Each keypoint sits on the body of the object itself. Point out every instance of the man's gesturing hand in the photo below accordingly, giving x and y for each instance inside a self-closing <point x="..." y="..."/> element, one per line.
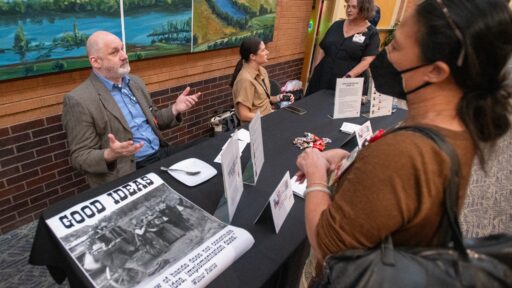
<point x="118" y="149"/>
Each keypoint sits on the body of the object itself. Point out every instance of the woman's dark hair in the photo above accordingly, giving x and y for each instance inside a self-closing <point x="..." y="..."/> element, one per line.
<point x="366" y="8"/>
<point x="486" y="28"/>
<point x="249" y="46"/>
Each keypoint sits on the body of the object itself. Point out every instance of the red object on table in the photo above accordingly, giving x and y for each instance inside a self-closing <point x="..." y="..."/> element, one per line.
<point x="376" y="136"/>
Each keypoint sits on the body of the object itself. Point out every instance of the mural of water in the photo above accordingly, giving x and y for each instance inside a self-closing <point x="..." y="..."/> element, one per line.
<point x="227" y="6"/>
<point x="43" y="31"/>
<point x="53" y="41"/>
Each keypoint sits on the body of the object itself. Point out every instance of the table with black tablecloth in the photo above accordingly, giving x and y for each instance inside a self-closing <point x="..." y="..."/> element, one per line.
<point x="274" y="259"/>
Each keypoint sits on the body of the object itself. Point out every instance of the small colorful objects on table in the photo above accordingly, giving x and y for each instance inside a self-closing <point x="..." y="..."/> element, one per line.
<point x="310" y="140"/>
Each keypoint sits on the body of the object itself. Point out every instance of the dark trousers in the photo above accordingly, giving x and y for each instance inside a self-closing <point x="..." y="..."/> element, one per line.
<point x="166" y="151"/>
<point x="162" y="153"/>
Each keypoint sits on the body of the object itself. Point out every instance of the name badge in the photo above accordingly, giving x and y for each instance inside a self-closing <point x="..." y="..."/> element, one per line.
<point x="358" y="37"/>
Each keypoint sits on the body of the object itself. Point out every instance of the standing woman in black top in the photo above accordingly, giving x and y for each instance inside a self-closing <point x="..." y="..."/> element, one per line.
<point x="348" y="47"/>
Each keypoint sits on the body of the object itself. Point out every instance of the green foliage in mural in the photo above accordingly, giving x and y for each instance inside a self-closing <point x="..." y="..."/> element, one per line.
<point x="20" y="44"/>
<point x="174" y="31"/>
<point x="71" y="40"/>
<point x="19" y="7"/>
<point x="226" y="26"/>
<point x="48" y="36"/>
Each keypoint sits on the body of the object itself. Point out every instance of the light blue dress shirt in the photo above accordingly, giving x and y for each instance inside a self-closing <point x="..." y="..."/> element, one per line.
<point x="141" y="130"/>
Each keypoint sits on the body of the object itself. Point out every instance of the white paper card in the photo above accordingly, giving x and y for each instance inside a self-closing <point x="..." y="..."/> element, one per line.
<point x="281" y="201"/>
<point x="380" y="104"/>
<point x="243" y="135"/>
<point x="349" y="127"/>
<point x="364" y="133"/>
<point x="257" y="154"/>
<point x="347" y="101"/>
<point x="298" y="188"/>
<point x="232" y="175"/>
<point x="241" y="147"/>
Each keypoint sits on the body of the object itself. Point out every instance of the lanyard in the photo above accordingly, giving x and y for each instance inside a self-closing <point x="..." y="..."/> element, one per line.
<point x="264" y="88"/>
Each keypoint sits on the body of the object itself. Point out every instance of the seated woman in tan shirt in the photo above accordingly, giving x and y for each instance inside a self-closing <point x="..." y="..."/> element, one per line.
<point x="395" y="185"/>
<point x="251" y="86"/>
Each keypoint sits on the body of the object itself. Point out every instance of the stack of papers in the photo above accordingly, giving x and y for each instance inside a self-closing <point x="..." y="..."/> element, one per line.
<point x="349" y="127"/>
<point x="298" y="188"/>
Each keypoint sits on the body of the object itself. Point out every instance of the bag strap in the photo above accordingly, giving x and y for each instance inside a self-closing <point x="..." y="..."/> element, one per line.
<point x="451" y="189"/>
<point x="264" y="86"/>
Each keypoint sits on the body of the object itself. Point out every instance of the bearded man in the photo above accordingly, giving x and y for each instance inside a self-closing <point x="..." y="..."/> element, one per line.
<point x="112" y="125"/>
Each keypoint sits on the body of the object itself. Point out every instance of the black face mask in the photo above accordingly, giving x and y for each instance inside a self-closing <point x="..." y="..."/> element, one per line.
<point x="388" y="80"/>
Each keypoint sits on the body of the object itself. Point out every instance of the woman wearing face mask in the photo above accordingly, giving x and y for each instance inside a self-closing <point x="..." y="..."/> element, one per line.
<point x="446" y="60"/>
<point x="250" y="82"/>
<point x="347" y="48"/>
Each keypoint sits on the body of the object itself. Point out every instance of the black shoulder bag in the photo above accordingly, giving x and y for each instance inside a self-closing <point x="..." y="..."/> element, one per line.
<point x="457" y="266"/>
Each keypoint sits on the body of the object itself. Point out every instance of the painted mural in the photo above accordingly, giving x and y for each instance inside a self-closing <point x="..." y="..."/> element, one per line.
<point x="47" y="36"/>
<point x="225" y="23"/>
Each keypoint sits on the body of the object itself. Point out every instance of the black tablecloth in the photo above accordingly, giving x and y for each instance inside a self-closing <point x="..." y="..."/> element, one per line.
<point x="270" y="250"/>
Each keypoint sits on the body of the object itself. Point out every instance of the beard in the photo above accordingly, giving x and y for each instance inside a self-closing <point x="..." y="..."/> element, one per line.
<point x="124" y="69"/>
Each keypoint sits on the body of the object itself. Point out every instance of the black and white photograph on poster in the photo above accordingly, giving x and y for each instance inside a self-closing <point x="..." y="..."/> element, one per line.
<point x="133" y="235"/>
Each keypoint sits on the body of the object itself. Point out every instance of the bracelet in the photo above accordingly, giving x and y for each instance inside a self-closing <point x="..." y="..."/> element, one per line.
<point x="318" y="183"/>
<point x="316" y="188"/>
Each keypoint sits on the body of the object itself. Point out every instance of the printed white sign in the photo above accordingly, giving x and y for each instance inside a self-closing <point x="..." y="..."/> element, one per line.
<point x="380" y="104"/>
<point x="281" y="201"/>
<point x="257" y="154"/>
<point x="243" y="139"/>
<point x="347" y="101"/>
<point x="364" y="133"/>
<point x="232" y="174"/>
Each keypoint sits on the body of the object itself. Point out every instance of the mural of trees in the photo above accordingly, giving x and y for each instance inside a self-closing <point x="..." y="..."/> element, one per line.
<point x="47" y="36"/>
<point x="225" y="23"/>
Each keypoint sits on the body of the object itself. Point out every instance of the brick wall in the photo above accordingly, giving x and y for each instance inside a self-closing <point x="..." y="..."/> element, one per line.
<point x="35" y="166"/>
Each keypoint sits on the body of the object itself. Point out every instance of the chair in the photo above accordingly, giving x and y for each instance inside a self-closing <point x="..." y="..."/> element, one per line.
<point x="275" y="88"/>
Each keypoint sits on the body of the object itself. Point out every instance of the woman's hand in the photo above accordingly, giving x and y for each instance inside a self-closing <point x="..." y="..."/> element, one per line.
<point x="287" y="97"/>
<point x="313" y="166"/>
<point x="333" y="157"/>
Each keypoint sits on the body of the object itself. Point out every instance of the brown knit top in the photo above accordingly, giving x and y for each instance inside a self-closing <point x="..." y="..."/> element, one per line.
<point x="395" y="187"/>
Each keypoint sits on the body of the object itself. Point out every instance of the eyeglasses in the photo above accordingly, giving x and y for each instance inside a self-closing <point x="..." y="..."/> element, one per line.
<point x="456" y="30"/>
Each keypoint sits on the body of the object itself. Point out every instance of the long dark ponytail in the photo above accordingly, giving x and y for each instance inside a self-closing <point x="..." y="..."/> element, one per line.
<point x="249" y="46"/>
<point x="486" y="27"/>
